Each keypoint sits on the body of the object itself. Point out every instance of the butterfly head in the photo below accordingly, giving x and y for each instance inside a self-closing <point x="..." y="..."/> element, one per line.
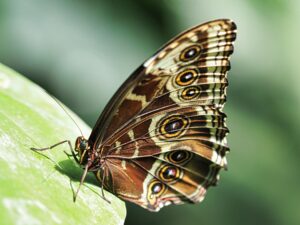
<point x="82" y="147"/>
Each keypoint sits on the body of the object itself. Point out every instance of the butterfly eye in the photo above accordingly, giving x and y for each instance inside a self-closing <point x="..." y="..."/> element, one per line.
<point x="82" y="145"/>
<point x="190" y="53"/>
<point x="190" y="93"/>
<point x="186" y="77"/>
<point x="173" y="126"/>
<point x="169" y="173"/>
<point x="179" y="156"/>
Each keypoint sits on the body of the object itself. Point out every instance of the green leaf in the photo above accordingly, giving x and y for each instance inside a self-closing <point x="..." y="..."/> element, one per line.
<point x="36" y="187"/>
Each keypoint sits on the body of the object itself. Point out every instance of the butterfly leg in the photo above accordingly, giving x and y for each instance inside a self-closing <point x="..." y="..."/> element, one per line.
<point x="81" y="182"/>
<point x="102" y="188"/>
<point x="57" y="144"/>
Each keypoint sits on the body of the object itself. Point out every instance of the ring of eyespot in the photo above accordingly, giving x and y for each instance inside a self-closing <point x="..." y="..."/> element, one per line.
<point x="178" y="156"/>
<point x="190" y="93"/>
<point x="155" y="188"/>
<point x="173" y="126"/>
<point x="186" y="77"/>
<point x="190" y="53"/>
<point x="169" y="173"/>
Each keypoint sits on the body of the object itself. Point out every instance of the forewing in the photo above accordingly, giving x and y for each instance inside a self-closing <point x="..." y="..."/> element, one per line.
<point x="166" y="76"/>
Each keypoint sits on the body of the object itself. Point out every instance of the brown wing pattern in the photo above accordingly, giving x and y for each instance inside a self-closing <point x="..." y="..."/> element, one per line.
<point x="141" y="89"/>
<point x="163" y="135"/>
<point x="171" y="178"/>
<point x="188" y="142"/>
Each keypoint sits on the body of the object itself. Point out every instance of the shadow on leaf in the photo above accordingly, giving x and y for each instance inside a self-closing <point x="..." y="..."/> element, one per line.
<point x="68" y="168"/>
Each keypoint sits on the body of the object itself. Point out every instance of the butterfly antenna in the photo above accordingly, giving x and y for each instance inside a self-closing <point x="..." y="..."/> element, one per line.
<point x="67" y="114"/>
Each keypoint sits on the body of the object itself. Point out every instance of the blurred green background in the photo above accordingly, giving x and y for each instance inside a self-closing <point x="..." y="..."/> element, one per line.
<point x="81" y="52"/>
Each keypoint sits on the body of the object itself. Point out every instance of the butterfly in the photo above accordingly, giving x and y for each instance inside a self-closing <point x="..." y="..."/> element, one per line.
<point x="161" y="139"/>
